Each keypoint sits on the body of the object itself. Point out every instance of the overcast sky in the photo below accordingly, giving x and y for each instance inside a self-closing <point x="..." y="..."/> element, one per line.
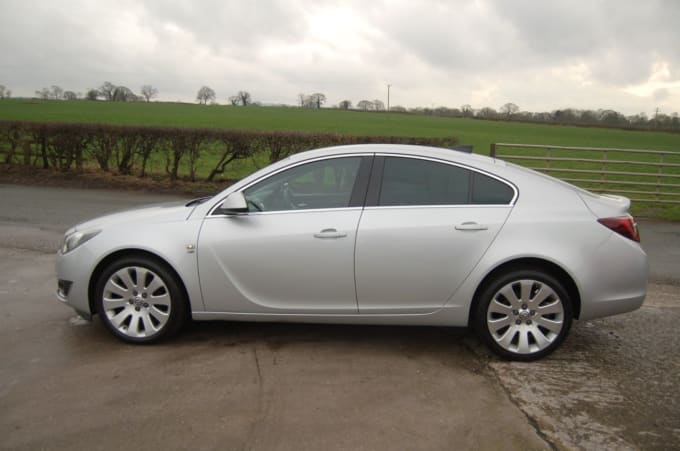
<point x="541" y="55"/>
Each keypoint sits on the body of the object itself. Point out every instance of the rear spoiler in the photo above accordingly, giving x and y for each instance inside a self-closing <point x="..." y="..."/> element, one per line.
<point x="606" y="205"/>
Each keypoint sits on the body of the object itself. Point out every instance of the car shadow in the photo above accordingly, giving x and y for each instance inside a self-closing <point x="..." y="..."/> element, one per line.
<point x="279" y="335"/>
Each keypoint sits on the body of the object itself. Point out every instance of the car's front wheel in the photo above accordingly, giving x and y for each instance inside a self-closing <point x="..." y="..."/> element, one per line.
<point x="523" y="314"/>
<point x="139" y="300"/>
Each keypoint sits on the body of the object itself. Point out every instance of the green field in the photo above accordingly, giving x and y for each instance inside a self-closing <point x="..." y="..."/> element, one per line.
<point x="479" y="133"/>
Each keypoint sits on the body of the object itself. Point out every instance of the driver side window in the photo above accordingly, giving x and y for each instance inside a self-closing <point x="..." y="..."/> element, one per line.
<point x="320" y="184"/>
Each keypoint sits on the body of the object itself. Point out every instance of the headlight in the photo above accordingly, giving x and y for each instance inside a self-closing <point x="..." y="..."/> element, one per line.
<point x="75" y="239"/>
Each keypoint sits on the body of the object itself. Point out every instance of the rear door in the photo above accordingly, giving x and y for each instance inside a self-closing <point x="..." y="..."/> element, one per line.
<point x="425" y="226"/>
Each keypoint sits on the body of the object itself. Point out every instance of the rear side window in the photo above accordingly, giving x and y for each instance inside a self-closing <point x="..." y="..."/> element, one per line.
<point x="408" y="181"/>
<point x="411" y="181"/>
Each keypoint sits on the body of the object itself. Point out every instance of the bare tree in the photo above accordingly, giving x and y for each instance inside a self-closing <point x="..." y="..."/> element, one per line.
<point x="365" y="105"/>
<point x="43" y="93"/>
<point x="234" y="100"/>
<point x="123" y="94"/>
<point x="345" y="105"/>
<point x="509" y="109"/>
<point x="92" y="94"/>
<point x="310" y="101"/>
<point x="467" y="110"/>
<point x="566" y="115"/>
<point x="57" y="93"/>
<point x="378" y="105"/>
<point x="205" y="95"/>
<point x="487" y="113"/>
<point x="149" y="92"/>
<point x="70" y="95"/>
<point x="612" y="117"/>
<point x="318" y="99"/>
<point x="4" y="92"/>
<point x="106" y="90"/>
<point x="675" y="120"/>
<point x="244" y="98"/>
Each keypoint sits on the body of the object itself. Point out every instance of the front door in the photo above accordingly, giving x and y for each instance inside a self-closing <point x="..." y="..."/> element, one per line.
<point x="294" y="251"/>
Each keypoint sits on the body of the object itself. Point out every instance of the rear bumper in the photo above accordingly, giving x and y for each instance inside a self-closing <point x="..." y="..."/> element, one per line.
<point x="611" y="307"/>
<point x="616" y="281"/>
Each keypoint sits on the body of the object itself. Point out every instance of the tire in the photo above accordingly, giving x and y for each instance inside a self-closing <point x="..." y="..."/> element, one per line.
<point x="140" y="301"/>
<point x="523" y="315"/>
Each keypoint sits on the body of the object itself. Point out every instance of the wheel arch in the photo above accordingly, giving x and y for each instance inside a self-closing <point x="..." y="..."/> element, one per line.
<point x="530" y="263"/>
<point x="131" y="252"/>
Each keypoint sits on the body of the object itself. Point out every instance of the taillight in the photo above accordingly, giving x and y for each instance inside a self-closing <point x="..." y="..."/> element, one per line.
<point x="624" y="226"/>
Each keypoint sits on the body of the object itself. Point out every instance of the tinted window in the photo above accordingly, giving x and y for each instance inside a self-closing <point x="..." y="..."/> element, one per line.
<point x="487" y="190"/>
<point x="321" y="184"/>
<point x="409" y="181"/>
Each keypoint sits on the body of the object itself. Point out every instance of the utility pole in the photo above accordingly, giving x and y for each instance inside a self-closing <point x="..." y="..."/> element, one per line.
<point x="656" y="117"/>
<point x="388" y="97"/>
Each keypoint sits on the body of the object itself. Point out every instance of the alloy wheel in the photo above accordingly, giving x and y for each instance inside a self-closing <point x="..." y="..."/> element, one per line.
<point x="525" y="316"/>
<point x="136" y="302"/>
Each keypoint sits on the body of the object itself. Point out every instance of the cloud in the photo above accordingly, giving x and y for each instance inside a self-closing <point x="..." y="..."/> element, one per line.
<point x="232" y="28"/>
<point x="661" y="94"/>
<point x="539" y="55"/>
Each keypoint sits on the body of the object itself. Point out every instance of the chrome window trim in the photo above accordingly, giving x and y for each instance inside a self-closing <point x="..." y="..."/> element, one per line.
<point x="452" y="163"/>
<point x="399" y="207"/>
<point x="512" y="202"/>
<point x="302" y="210"/>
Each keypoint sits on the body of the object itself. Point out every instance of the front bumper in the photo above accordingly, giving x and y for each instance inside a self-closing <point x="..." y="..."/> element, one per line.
<point x="73" y="271"/>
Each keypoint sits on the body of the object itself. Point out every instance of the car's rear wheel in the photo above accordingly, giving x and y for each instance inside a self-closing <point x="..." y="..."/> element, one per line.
<point x="139" y="300"/>
<point x="523" y="314"/>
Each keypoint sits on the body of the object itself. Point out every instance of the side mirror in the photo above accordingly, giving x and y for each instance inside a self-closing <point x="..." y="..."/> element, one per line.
<point x="234" y="204"/>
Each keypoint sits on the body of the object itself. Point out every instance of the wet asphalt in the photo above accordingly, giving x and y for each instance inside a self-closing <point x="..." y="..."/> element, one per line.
<point x="66" y="384"/>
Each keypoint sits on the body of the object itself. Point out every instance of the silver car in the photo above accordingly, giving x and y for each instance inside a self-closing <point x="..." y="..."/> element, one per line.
<point x="366" y="234"/>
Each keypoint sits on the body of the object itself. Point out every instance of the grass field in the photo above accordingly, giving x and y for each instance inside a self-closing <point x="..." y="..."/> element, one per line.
<point x="478" y="133"/>
<point x="470" y="131"/>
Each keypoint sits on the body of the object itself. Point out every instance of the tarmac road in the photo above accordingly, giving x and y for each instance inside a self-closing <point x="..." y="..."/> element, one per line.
<point x="66" y="384"/>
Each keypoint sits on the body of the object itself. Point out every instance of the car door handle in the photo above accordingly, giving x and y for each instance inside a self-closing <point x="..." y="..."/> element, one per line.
<point x="471" y="226"/>
<point x="330" y="233"/>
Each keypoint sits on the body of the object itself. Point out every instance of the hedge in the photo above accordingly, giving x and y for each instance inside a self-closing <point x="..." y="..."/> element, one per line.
<point x="128" y="149"/>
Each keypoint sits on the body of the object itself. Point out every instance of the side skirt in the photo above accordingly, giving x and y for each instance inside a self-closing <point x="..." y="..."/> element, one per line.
<point x="449" y="316"/>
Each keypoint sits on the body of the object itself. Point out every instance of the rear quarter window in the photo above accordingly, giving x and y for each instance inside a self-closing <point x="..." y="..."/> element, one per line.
<point x="489" y="191"/>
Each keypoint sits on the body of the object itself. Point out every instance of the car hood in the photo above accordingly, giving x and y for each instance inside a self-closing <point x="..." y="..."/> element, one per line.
<point x="147" y="214"/>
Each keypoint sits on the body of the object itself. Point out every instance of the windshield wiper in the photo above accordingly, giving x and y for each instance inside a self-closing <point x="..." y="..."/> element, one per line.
<point x="198" y="201"/>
